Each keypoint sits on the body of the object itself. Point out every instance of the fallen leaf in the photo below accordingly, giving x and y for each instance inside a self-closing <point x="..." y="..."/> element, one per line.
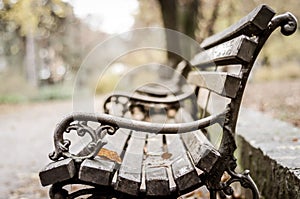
<point x="112" y="155"/>
<point x="166" y="155"/>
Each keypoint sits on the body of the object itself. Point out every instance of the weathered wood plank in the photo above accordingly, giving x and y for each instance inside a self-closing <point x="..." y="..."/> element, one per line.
<point x="57" y="172"/>
<point x="236" y="51"/>
<point x="252" y="24"/>
<point x="184" y="173"/>
<point x="221" y="83"/>
<point x="101" y="170"/>
<point x="203" y="153"/>
<point x="157" y="182"/>
<point x="160" y="89"/>
<point x="130" y="172"/>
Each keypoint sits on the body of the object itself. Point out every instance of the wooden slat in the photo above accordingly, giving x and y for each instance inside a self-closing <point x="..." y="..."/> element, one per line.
<point x="57" y="171"/>
<point x="252" y="24"/>
<point x="219" y="82"/>
<point x="201" y="150"/>
<point x="160" y="89"/>
<point x="130" y="173"/>
<point x="101" y="170"/>
<point x="184" y="173"/>
<point x="157" y="182"/>
<point x="236" y="51"/>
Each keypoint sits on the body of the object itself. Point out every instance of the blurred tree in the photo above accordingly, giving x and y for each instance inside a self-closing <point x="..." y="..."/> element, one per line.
<point x="186" y="16"/>
<point x="29" y="20"/>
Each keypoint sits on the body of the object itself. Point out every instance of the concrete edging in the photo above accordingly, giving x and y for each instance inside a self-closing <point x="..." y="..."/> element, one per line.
<point x="271" y="150"/>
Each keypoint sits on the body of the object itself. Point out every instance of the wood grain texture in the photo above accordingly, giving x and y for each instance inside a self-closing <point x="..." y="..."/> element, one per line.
<point x="100" y="170"/>
<point x="238" y="50"/>
<point x="130" y="173"/>
<point x="203" y="153"/>
<point x="57" y="171"/>
<point x="252" y="24"/>
<point x="221" y="83"/>
<point x="184" y="173"/>
<point x="157" y="181"/>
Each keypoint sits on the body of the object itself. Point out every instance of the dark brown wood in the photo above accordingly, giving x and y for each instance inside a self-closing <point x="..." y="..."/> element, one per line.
<point x="57" y="172"/>
<point x="101" y="170"/>
<point x="157" y="181"/>
<point x="235" y="51"/>
<point x="184" y="173"/>
<point x="203" y="153"/>
<point x="159" y="89"/>
<point x="218" y="82"/>
<point x="252" y="24"/>
<point x="130" y="173"/>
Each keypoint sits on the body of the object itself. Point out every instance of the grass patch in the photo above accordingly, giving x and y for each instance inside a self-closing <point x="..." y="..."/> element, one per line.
<point x="107" y="83"/>
<point x="13" y="99"/>
<point x="52" y="92"/>
<point x="45" y="93"/>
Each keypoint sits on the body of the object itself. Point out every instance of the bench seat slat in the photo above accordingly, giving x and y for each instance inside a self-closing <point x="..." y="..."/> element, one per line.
<point x="236" y="51"/>
<point x="130" y="173"/>
<point x="100" y="170"/>
<point x="157" y="182"/>
<point x="160" y="89"/>
<point x="252" y="24"/>
<point x="201" y="150"/>
<point x="184" y="172"/>
<point x="221" y="83"/>
<point x="57" y="171"/>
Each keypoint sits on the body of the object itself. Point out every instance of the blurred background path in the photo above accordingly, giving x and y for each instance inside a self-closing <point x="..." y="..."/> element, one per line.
<point x="25" y="140"/>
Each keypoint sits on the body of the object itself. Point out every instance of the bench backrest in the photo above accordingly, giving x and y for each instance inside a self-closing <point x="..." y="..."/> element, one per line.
<point x="237" y="47"/>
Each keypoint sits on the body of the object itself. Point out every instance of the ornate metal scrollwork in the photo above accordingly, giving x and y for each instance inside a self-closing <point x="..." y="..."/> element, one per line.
<point x="286" y="21"/>
<point x="82" y="128"/>
<point x="244" y="179"/>
<point x="116" y="100"/>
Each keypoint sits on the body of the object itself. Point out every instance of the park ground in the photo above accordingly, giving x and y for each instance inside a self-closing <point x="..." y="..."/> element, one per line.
<point x="27" y="130"/>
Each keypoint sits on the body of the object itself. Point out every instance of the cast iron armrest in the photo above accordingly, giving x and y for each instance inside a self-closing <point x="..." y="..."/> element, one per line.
<point x="110" y="124"/>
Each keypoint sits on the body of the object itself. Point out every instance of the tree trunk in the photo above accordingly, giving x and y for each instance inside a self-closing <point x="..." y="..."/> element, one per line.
<point x="30" y="65"/>
<point x="169" y="14"/>
<point x="212" y="20"/>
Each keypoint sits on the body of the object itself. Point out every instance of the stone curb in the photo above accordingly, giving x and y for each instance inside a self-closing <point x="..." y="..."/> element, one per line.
<point x="271" y="150"/>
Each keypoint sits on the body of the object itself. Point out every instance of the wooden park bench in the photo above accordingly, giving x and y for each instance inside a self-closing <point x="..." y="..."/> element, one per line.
<point x="174" y="149"/>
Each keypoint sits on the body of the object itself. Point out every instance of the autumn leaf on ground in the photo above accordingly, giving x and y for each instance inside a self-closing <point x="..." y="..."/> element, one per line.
<point x="166" y="155"/>
<point x="112" y="155"/>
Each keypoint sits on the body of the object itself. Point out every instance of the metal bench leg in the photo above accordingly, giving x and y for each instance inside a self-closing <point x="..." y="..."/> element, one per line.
<point x="57" y="192"/>
<point x="245" y="180"/>
<point x="212" y="194"/>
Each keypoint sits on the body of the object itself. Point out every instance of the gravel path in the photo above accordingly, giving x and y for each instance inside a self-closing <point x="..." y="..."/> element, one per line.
<point x="280" y="99"/>
<point x="25" y="140"/>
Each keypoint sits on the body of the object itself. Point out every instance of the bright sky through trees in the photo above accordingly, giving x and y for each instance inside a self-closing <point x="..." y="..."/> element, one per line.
<point x="110" y="16"/>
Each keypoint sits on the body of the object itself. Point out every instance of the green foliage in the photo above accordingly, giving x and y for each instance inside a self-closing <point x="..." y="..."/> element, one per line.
<point x="17" y="90"/>
<point x="107" y="83"/>
<point x="13" y="99"/>
<point x="52" y="92"/>
<point x="29" y="16"/>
